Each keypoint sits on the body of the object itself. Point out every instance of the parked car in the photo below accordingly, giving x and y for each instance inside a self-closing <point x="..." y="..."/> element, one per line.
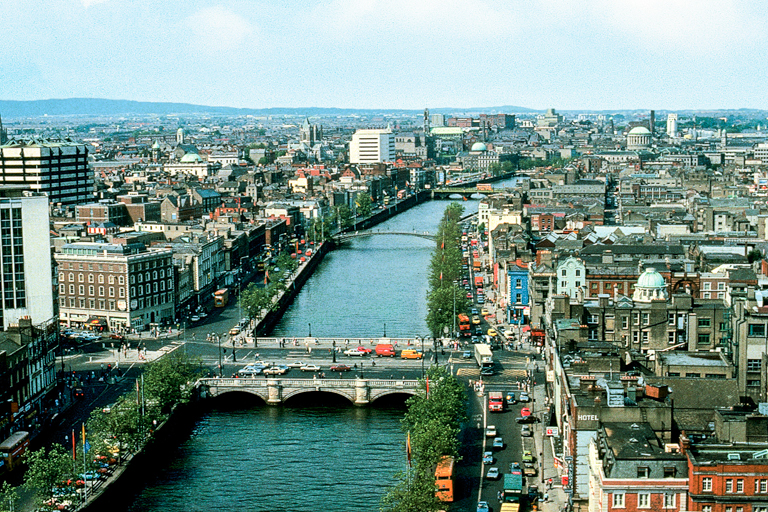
<point x="234" y="331"/>
<point x="525" y="431"/>
<point x="525" y="411"/>
<point x="296" y="364"/>
<point x="118" y="337"/>
<point x="527" y="456"/>
<point x="340" y="368"/>
<point x="490" y="431"/>
<point x="354" y="352"/>
<point x="487" y="457"/>
<point x="493" y="474"/>
<point x="529" y="469"/>
<point x="524" y="397"/>
<point x="466" y="354"/>
<point x="363" y="349"/>
<point x="498" y="443"/>
<point x="526" y="419"/>
<point x="194" y="318"/>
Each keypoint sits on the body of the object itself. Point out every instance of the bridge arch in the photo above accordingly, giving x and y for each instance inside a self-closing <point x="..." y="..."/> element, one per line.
<point x="332" y="391"/>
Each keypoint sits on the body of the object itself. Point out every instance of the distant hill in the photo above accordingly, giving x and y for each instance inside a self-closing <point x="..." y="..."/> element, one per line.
<point x="104" y="107"/>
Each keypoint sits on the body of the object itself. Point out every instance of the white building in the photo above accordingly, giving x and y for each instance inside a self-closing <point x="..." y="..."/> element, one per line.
<point x="372" y="146"/>
<point x="571" y="276"/>
<point x="26" y="275"/>
<point x="672" y="125"/>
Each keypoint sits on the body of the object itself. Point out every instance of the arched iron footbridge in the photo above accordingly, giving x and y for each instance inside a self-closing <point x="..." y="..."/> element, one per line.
<point x="359" y="234"/>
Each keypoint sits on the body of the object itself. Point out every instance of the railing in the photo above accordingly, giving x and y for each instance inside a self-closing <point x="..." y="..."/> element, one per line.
<point x="310" y="383"/>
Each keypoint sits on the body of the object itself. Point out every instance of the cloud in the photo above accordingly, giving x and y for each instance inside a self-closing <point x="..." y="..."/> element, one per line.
<point x="217" y="29"/>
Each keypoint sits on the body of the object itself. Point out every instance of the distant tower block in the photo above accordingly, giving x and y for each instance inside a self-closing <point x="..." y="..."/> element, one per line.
<point x="672" y="125"/>
<point x="180" y="136"/>
<point x="652" y="121"/>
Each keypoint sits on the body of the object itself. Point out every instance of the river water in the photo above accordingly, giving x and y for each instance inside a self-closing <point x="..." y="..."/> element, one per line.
<point x="332" y="456"/>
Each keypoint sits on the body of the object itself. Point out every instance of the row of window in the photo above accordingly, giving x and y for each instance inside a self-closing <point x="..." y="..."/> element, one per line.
<point x="81" y="278"/>
<point x="91" y="303"/>
<point x="141" y="289"/>
<point x="643" y="500"/>
<point x="735" y="485"/>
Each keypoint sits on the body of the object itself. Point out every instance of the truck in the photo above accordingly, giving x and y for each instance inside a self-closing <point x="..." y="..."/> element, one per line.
<point x="513" y="487"/>
<point x="385" y="350"/>
<point x="496" y="401"/>
<point x="478" y="280"/>
<point x="477" y="265"/>
<point x="483" y="355"/>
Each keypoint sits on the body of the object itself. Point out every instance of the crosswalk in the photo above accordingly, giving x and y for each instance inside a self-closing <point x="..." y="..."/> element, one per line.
<point x="509" y="373"/>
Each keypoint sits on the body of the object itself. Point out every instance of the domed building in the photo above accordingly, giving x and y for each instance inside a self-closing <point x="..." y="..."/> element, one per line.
<point x="650" y="286"/>
<point x="638" y="137"/>
<point x="479" y="146"/>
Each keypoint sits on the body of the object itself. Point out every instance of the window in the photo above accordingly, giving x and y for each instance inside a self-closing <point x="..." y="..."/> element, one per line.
<point x="720" y="295"/>
<point x="518" y="283"/>
<point x="670" y="472"/>
<point x="669" y="500"/>
<point x="706" y="484"/>
<point x="111" y="279"/>
<point x="703" y="339"/>
<point x="646" y="336"/>
<point x="578" y="272"/>
<point x="563" y="284"/>
<point x="763" y="485"/>
<point x="690" y="375"/>
<point x="593" y="319"/>
<point x="625" y="322"/>
<point x="121" y="280"/>
<point x="71" y="276"/>
<point x="753" y="382"/>
<point x="618" y="500"/>
<point x="707" y="285"/>
<point x="62" y="288"/>
<point x="121" y="292"/>
<point x="670" y="319"/>
<point x="756" y="329"/>
<point x="723" y="326"/>
<point x="671" y="337"/>
<point x="563" y="273"/>
<point x="643" y="472"/>
<point x="706" y="508"/>
<point x="90" y="278"/>
<point x="90" y="290"/>
<point x="707" y="295"/>
<point x="81" y="289"/>
<point x="81" y="278"/>
<point x="729" y="485"/>
<point x="635" y="337"/>
<point x="705" y="322"/>
<point x="636" y="318"/>
<point x="101" y="291"/>
<point x="721" y="286"/>
<point x="643" y="500"/>
<point x="740" y="485"/>
<point x="111" y="291"/>
<point x="646" y="317"/>
<point x="578" y="284"/>
<point x="754" y="365"/>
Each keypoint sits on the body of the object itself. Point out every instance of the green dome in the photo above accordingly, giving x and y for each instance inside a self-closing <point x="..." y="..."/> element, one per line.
<point x="191" y="158"/>
<point x="479" y="146"/>
<point x="639" y="130"/>
<point x="651" y="279"/>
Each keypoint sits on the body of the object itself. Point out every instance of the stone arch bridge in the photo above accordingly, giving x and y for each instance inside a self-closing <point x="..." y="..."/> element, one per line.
<point x="276" y="391"/>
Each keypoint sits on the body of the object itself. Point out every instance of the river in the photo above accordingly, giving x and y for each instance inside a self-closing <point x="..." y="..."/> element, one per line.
<point x="262" y="458"/>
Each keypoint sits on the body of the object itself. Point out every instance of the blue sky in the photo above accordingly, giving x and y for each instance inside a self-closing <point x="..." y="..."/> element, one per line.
<point x="567" y="54"/>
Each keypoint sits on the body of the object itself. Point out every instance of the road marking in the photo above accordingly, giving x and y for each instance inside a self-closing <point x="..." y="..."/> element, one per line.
<point x="507" y="372"/>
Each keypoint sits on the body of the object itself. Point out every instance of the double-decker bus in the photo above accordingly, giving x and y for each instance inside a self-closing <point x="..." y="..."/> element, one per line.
<point x="464" y="327"/>
<point x="444" y="479"/>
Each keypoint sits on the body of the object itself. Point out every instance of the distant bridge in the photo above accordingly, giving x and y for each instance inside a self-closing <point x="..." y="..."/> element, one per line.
<point x="359" y="234"/>
<point x="464" y="192"/>
<point x="276" y="391"/>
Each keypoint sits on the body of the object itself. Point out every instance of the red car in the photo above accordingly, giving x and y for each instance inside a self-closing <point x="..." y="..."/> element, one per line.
<point x="364" y="349"/>
<point x="340" y="368"/>
<point x="525" y="412"/>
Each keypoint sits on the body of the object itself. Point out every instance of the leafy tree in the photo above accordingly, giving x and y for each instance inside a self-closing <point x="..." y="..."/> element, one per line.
<point x="343" y="216"/>
<point x="754" y="255"/>
<point x="167" y="379"/>
<point x="285" y="262"/>
<point x="319" y="229"/>
<point x="364" y="204"/>
<point x="121" y="428"/>
<point x="414" y="494"/>
<point x="9" y="498"/>
<point x="45" y="470"/>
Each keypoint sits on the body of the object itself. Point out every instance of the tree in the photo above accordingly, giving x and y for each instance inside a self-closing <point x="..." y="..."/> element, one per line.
<point x="46" y="470"/>
<point x="754" y="255"/>
<point x="343" y="216"/>
<point x="364" y="204"/>
<point x="9" y="498"/>
<point x="167" y="380"/>
<point x="412" y="494"/>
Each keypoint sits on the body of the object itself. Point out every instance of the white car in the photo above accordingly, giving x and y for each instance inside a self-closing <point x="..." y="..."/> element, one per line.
<point x="310" y="368"/>
<point x="296" y="364"/>
<point x="490" y="431"/>
<point x="493" y="474"/>
<point x="354" y="352"/>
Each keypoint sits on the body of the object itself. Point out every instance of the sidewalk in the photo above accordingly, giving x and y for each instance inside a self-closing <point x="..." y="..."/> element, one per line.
<point x="558" y="499"/>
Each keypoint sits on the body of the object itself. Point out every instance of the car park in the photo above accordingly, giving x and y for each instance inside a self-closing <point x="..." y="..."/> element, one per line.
<point x="498" y="443"/>
<point x="487" y="457"/>
<point x="490" y="431"/>
<point x="493" y="474"/>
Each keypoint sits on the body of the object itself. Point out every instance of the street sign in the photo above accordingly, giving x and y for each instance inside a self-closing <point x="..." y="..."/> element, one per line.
<point x="552" y="431"/>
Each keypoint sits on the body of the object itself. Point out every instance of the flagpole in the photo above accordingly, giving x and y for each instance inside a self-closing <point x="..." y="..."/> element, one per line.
<point x="85" y="475"/>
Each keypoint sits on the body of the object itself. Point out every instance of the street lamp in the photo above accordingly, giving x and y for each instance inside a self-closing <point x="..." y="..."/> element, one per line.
<point x="421" y="340"/>
<point x="455" y="285"/>
<point x="221" y="368"/>
<point x="385" y="329"/>
<point x="333" y="351"/>
<point x="310" y="330"/>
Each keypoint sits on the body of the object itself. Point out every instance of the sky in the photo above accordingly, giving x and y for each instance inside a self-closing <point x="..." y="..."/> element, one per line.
<point x="411" y="54"/>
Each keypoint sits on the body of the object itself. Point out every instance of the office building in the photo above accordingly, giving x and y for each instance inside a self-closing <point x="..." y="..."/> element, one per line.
<point x="372" y="146"/>
<point x="57" y="168"/>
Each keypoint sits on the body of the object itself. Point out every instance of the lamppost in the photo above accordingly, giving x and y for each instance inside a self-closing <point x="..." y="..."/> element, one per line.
<point x="455" y="285"/>
<point x="333" y="351"/>
<point x="421" y="341"/>
<point x="310" y="330"/>
<point x="221" y="368"/>
<point x="385" y="329"/>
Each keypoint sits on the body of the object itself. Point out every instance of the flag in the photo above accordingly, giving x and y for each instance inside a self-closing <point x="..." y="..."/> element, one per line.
<point x="427" y="386"/>
<point x="266" y="276"/>
<point x="74" y="443"/>
<point x="83" y="434"/>
<point x="408" y="447"/>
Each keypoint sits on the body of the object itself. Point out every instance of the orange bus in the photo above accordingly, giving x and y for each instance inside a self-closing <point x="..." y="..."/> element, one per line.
<point x="444" y="479"/>
<point x="220" y="298"/>
<point x="464" y="327"/>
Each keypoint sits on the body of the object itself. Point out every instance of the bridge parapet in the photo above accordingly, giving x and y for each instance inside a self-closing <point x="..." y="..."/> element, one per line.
<point x="275" y="391"/>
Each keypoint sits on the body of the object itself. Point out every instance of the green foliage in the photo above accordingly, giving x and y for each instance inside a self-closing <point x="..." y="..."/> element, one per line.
<point x="46" y="469"/>
<point x="444" y="272"/>
<point x="9" y="498"/>
<point x="414" y="494"/>
<point x="754" y="255"/>
<point x="167" y="379"/>
<point x="343" y="216"/>
<point x="122" y="427"/>
<point x="364" y="204"/>
<point x="285" y="262"/>
<point x="319" y="229"/>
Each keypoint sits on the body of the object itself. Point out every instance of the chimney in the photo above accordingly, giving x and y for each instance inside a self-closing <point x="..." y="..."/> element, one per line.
<point x="608" y="257"/>
<point x="685" y="443"/>
<point x="586" y="382"/>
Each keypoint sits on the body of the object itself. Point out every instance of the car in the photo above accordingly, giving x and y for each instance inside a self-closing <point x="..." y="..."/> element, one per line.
<point x="264" y="364"/>
<point x="493" y="474"/>
<point x="529" y="469"/>
<point x="475" y="340"/>
<point x="490" y="431"/>
<point x="487" y="457"/>
<point x="498" y="443"/>
<point x="510" y="398"/>
<point x="482" y="506"/>
<point x="251" y="371"/>
<point x="480" y="299"/>
<point x="310" y="368"/>
<point x="340" y="368"/>
<point x="79" y="393"/>
<point x="354" y="352"/>
<point x="296" y="364"/>
<point x="478" y="330"/>
<point x="203" y="314"/>
<point x="469" y="295"/>
<point x="276" y="370"/>
<point x="514" y="467"/>
<point x="485" y="312"/>
<point x="525" y="411"/>
<point x="526" y="419"/>
<point x="107" y="408"/>
<point x="466" y="354"/>
<point x="194" y="318"/>
<point x="525" y="431"/>
<point x="487" y="372"/>
<point x="115" y="336"/>
<point x="492" y="332"/>
<point x="364" y="349"/>
<point x="234" y="331"/>
<point x="475" y="319"/>
<point x="474" y="311"/>
<point x="527" y="456"/>
<point x="524" y="397"/>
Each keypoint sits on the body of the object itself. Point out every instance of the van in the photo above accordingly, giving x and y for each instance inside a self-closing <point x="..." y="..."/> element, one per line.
<point x="385" y="350"/>
<point x="410" y="354"/>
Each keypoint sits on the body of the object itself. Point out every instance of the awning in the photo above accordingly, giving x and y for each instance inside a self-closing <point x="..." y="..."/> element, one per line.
<point x="95" y="320"/>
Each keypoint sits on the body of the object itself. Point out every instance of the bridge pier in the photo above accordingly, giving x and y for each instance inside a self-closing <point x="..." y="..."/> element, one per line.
<point x="362" y="393"/>
<point x="274" y="392"/>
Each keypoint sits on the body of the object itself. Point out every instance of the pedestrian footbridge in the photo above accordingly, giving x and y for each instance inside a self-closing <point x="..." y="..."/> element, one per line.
<point x="276" y="391"/>
<point x="359" y="234"/>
